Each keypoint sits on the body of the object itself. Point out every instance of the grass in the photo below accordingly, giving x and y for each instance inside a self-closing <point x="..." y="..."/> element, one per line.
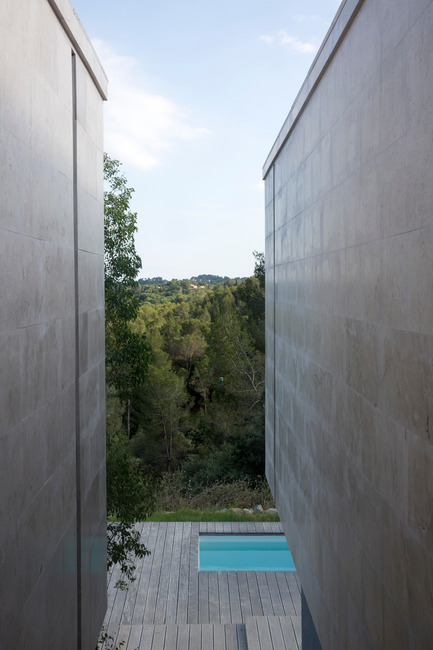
<point x="188" y="514"/>
<point x="214" y="503"/>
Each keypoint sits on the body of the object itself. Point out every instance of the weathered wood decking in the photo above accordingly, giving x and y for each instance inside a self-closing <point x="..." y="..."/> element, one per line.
<point x="173" y="606"/>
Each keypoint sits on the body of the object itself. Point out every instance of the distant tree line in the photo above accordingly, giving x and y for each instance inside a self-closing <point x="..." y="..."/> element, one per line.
<point x="196" y="279"/>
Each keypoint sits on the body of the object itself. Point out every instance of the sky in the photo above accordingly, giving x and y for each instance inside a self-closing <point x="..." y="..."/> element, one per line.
<point x="198" y="91"/>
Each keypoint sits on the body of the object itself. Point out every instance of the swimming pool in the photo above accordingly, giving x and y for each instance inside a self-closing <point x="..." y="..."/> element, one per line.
<point x="244" y="553"/>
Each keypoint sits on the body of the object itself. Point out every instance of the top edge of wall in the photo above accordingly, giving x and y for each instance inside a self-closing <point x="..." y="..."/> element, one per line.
<point x="73" y="27"/>
<point x="340" y="25"/>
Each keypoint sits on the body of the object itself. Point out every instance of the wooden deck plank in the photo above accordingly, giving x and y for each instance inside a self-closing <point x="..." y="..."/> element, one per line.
<point x="252" y="633"/>
<point x="144" y="579"/>
<point x="289" y="636"/>
<point x="117" y="606"/>
<point x="203" y="596"/>
<point x="195" y="637"/>
<point x="220" y="528"/>
<point x="158" y="642"/>
<point x="295" y="592"/>
<point x="234" y="597"/>
<point x="170" y="637"/>
<point x="111" y="595"/>
<point x="235" y="528"/>
<point x="223" y="590"/>
<point x="193" y="592"/>
<point x="264" y="633"/>
<point x="219" y="639"/>
<point x="274" y="591"/>
<point x="182" y="637"/>
<point x="278" y="639"/>
<point x="146" y="637"/>
<point x="214" y="599"/>
<point x="285" y="592"/>
<point x="231" y="637"/>
<point x="155" y="575"/>
<point x="244" y="527"/>
<point x="182" y="606"/>
<point x="260" y="527"/>
<point x="134" y="637"/>
<point x="253" y="590"/>
<point x="244" y="595"/>
<point x="131" y="594"/>
<point x="173" y="582"/>
<point x="207" y="636"/>
<point x="297" y="629"/>
<point x="265" y="596"/>
<point x="164" y="581"/>
<point x="241" y="636"/>
<point x="122" y="634"/>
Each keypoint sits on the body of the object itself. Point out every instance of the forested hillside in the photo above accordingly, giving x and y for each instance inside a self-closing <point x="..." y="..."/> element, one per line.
<point x="201" y="409"/>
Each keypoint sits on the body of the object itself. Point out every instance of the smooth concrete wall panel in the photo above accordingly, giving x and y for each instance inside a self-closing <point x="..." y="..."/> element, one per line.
<point x="91" y="354"/>
<point x="349" y="240"/>
<point x="48" y="322"/>
<point x="269" y="326"/>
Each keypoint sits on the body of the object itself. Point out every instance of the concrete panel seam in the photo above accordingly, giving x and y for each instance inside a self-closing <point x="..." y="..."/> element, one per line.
<point x="77" y="345"/>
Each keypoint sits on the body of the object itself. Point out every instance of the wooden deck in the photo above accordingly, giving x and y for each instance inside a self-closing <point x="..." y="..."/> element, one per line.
<point x="173" y="606"/>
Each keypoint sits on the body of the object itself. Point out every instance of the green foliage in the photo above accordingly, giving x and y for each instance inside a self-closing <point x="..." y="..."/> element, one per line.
<point x="123" y="547"/>
<point x="106" y="641"/>
<point x="127" y="360"/>
<point x="161" y="443"/>
<point x="202" y="409"/>
<point x="129" y="499"/>
<point x="121" y="260"/>
<point x="127" y="352"/>
<point x="158" y="291"/>
<point x="129" y="495"/>
<point x="259" y="268"/>
<point x="173" y="494"/>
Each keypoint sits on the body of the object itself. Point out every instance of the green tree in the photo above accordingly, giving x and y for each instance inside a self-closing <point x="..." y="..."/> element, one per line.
<point x="122" y="262"/>
<point x="160" y="442"/>
<point x="127" y="360"/>
<point x="127" y="352"/>
<point x="228" y="431"/>
<point x="251" y="302"/>
<point x="259" y="268"/>
<point x="129" y="498"/>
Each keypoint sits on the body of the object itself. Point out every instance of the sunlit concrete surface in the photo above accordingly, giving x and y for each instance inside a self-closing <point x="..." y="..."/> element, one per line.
<point x="349" y="254"/>
<point x="52" y="472"/>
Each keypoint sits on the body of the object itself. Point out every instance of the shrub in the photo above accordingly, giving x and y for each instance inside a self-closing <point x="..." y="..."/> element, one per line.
<point x="173" y="495"/>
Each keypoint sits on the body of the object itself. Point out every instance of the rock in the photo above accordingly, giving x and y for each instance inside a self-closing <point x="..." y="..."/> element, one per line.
<point x="247" y="511"/>
<point x="271" y="511"/>
<point x="237" y="510"/>
<point x="258" y="509"/>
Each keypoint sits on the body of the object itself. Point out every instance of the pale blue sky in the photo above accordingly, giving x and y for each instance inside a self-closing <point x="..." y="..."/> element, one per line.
<point x="198" y="91"/>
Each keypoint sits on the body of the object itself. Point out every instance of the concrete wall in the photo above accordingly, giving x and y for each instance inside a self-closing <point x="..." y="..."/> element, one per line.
<point x="349" y="252"/>
<point x="52" y="422"/>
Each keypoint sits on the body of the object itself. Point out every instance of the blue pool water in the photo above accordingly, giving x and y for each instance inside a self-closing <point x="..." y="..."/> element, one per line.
<point x="244" y="553"/>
